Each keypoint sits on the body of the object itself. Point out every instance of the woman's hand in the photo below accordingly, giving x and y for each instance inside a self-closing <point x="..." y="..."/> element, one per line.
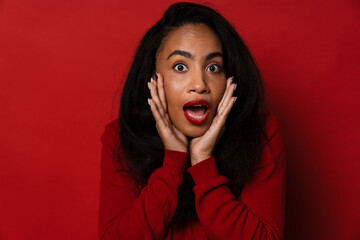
<point x="202" y="147"/>
<point x="171" y="137"/>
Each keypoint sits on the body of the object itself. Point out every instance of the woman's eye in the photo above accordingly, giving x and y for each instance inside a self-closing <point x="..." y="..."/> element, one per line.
<point x="214" y="68"/>
<point x="180" y="67"/>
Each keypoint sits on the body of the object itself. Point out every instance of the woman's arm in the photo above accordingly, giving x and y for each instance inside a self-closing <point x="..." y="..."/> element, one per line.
<point x="126" y="212"/>
<point x="259" y="211"/>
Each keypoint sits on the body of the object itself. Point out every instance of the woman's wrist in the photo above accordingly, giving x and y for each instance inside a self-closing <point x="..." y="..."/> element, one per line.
<point x="197" y="158"/>
<point x="176" y="149"/>
<point x="204" y="171"/>
<point x="175" y="160"/>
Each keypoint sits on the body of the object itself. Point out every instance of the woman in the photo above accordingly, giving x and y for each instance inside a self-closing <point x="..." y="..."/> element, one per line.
<point x="204" y="160"/>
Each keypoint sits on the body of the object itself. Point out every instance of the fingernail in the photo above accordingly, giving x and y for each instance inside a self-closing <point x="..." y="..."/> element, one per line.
<point x="235" y="87"/>
<point x="232" y="79"/>
<point x="235" y="99"/>
<point x="149" y="101"/>
<point x="156" y="76"/>
<point x="151" y="80"/>
<point x="148" y="85"/>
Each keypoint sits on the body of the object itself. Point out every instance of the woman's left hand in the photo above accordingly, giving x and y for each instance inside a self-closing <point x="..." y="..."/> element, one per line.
<point x="202" y="147"/>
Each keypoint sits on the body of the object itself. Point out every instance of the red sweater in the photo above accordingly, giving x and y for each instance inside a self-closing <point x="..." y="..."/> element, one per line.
<point x="128" y="211"/>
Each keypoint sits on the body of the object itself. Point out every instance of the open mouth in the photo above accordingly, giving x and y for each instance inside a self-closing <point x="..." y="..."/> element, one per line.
<point x="196" y="111"/>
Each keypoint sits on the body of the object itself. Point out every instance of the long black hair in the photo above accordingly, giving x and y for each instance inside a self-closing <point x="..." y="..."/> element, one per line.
<point x="239" y="148"/>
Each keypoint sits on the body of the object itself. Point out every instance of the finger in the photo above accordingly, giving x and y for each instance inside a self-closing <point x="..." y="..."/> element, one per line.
<point x="179" y="134"/>
<point x="154" y="80"/>
<point x="155" y="97"/>
<point x="167" y="118"/>
<point x="161" y="91"/>
<point x="155" y="112"/>
<point x="228" y="82"/>
<point x="227" y="98"/>
<point x="227" y="108"/>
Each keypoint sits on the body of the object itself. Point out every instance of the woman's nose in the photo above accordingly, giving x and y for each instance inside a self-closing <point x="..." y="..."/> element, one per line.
<point x="197" y="83"/>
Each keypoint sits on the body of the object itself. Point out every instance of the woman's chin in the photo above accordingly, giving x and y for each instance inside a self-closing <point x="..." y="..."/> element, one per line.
<point x="194" y="135"/>
<point x="195" y="131"/>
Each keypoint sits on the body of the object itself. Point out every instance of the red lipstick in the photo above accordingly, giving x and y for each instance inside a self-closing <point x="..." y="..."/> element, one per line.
<point x="196" y="111"/>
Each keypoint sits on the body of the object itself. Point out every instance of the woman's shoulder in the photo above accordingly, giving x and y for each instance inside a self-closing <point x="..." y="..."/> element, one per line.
<point x="272" y="126"/>
<point x="274" y="147"/>
<point x="114" y="166"/>
<point x="111" y="143"/>
<point x="112" y="129"/>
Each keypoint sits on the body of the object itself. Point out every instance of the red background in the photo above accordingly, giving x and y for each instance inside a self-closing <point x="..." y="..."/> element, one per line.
<point x="62" y="64"/>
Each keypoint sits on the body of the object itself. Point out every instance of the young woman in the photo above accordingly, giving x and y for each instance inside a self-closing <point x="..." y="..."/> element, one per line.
<point x="194" y="154"/>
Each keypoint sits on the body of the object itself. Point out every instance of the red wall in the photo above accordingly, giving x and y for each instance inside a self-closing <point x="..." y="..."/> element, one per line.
<point x="61" y="63"/>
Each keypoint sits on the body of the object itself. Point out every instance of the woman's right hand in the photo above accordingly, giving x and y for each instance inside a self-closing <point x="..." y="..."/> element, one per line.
<point x="171" y="137"/>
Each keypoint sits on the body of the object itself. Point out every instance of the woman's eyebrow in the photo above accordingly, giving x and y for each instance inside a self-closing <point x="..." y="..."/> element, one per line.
<point x="181" y="53"/>
<point x="212" y="55"/>
<point x="188" y="55"/>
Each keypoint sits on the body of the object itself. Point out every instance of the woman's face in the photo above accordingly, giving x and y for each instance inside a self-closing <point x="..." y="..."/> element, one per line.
<point x="191" y="63"/>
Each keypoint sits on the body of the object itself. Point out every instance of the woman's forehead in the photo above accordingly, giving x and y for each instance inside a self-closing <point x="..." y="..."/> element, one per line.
<point x="196" y="39"/>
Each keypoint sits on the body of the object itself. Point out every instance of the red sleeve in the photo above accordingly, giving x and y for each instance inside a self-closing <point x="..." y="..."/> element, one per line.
<point x="126" y="212"/>
<point x="259" y="211"/>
